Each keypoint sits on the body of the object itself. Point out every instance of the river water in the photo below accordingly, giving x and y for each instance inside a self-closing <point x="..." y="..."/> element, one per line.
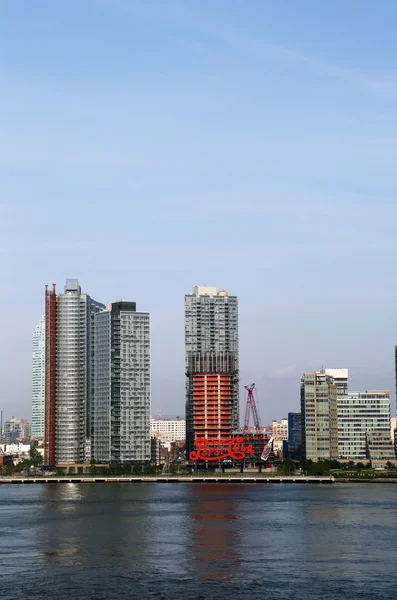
<point x="198" y="541"/>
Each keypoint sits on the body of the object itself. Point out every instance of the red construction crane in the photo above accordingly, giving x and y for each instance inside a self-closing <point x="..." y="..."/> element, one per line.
<point x="251" y="406"/>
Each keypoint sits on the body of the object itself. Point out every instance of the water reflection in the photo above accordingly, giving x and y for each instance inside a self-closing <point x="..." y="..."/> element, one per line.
<point x="339" y="532"/>
<point x="214" y="546"/>
<point x="129" y="542"/>
<point x="86" y="525"/>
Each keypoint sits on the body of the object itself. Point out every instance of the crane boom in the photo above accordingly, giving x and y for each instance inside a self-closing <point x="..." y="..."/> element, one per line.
<point x="251" y="406"/>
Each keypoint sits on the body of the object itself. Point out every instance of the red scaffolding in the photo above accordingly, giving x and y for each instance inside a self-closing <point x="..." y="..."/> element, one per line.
<point x="50" y="375"/>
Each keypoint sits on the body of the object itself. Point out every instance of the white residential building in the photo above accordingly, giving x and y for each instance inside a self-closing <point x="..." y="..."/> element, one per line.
<point x="280" y="434"/>
<point x="359" y="415"/>
<point x="75" y="312"/>
<point x="38" y="379"/>
<point x="168" y="430"/>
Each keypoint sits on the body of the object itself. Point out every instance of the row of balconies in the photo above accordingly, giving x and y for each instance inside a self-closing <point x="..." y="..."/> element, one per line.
<point x="211" y="389"/>
<point x="201" y="384"/>
<point x="212" y="396"/>
<point x="211" y="403"/>
<point x="211" y="407"/>
<point x="212" y="381"/>
<point x="213" y="422"/>
<point x="212" y="419"/>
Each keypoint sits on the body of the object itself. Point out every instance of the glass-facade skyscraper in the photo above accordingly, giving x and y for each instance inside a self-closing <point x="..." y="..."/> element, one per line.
<point x="120" y="411"/>
<point x="69" y="322"/>
<point x="38" y="379"/>
<point x="295" y="428"/>
<point x="292" y="448"/>
<point x="211" y="364"/>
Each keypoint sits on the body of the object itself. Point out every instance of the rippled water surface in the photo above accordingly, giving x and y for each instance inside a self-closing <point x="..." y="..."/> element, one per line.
<point x="198" y="541"/>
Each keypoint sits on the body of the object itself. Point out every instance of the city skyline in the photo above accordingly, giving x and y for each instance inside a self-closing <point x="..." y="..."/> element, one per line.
<point x="248" y="145"/>
<point x="220" y="176"/>
<point x="271" y="411"/>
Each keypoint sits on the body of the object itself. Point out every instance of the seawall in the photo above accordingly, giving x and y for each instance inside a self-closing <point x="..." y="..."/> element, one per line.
<point x="165" y="479"/>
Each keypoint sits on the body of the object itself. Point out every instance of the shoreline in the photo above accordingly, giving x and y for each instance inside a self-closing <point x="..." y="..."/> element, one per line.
<point x="264" y="479"/>
<point x="167" y="479"/>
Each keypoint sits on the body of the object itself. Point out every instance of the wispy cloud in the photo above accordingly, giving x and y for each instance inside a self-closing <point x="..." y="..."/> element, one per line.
<point x="182" y="15"/>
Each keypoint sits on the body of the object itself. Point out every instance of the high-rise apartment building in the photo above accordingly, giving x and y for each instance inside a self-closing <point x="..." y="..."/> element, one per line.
<point x="211" y="364"/>
<point x="38" y="379"/>
<point x="68" y="373"/>
<point x="25" y="429"/>
<point x="341" y="380"/>
<point x="120" y="416"/>
<point x="11" y="431"/>
<point x="16" y="430"/>
<point x="319" y="416"/>
<point x="292" y="448"/>
<point x="359" y="415"/>
<point x="295" y="428"/>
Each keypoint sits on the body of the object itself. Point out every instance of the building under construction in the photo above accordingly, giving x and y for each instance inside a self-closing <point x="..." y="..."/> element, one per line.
<point x="259" y="438"/>
<point x="211" y="365"/>
<point x="243" y="447"/>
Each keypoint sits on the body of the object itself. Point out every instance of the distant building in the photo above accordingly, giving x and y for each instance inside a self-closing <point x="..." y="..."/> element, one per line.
<point x="295" y="428"/>
<point x="280" y="434"/>
<point x="25" y="429"/>
<point x="11" y="431"/>
<point x="292" y="448"/>
<point x="120" y="432"/>
<point x="319" y="416"/>
<point x="211" y="364"/>
<point x="155" y="451"/>
<point x="168" y="430"/>
<point x="17" y="450"/>
<point x="15" y="431"/>
<point x="38" y="379"/>
<point x="360" y="414"/>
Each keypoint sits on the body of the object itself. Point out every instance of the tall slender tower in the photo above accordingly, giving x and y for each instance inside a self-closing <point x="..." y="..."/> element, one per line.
<point x="319" y="416"/>
<point x="38" y="379"/>
<point x="120" y="420"/>
<point x="211" y="364"/>
<point x="68" y="385"/>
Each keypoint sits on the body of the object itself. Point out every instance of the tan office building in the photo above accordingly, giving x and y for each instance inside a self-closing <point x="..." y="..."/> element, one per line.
<point x="319" y="409"/>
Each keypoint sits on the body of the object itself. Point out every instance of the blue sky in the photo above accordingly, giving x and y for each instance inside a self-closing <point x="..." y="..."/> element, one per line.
<point x="147" y="147"/>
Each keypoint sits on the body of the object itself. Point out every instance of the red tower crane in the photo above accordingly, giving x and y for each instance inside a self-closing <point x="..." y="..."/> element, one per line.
<point x="251" y="406"/>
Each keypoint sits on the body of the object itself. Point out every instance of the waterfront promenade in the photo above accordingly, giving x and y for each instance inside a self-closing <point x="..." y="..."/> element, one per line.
<point x="224" y="478"/>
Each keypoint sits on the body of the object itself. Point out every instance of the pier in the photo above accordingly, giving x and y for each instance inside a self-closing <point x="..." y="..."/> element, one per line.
<point x="171" y="479"/>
